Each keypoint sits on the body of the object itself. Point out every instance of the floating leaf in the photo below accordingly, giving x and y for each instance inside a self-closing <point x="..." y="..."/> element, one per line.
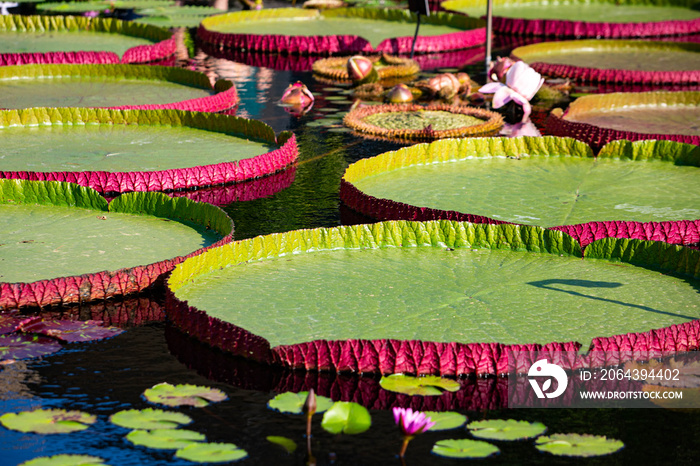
<point x="506" y="429"/>
<point x="446" y="420"/>
<point x="211" y="453"/>
<point x="290" y="402"/>
<point x="65" y="460"/>
<point x="19" y="346"/>
<point x="12" y="322"/>
<point x="464" y="448"/>
<point x="72" y="330"/>
<point x="347" y="418"/>
<point x="578" y="445"/>
<point x="164" y="439"/>
<point x="48" y="421"/>
<point x="149" y="419"/>
<point x="185" y="394"/>
<point x="426" y="386"/>
<point x="286" y="443"/>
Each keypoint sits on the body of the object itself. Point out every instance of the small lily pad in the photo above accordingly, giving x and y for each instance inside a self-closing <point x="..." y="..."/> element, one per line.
<point x="211" y="453"/>
<point x="286" y="443"/>
<point x="464" y="448"/>
<point x="347" y="418"/>
<point x="578" y="445"/>
<point x="71" y="331"/>
<point x="20" y="346"/>
<point x="65" y="460"/>
<point x="446" y="420"/>
<point x="48" y="421"/>
<point x="506" y="429"/>
<point x="290" y="402"/>
<point x="165" y="439"/>
<point x="430" y="385"/>
<point x="149" y="419"/>
<point x="185" y="394"/>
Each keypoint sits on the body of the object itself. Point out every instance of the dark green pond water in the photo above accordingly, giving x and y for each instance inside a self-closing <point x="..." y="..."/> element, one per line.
<point x="108" y="376"/>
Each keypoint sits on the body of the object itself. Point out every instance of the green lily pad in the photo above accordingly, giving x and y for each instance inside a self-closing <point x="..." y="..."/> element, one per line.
<point x="165" y="439"/>
<point x="65" y="460"/>
<point x="429" y="385"/>
<point x="464" y="448"/>
<point x="578" y="445"/>
<point x="506" y="429"/>
<point x="446" y="420"/>
<point x="98" y="85"/>
<point x="290" y="402"/>
<point x="183" y="395"/>
<point x="288" y="444"/>
<point x="48" y="421"/>
<point x="539" y="181"/>
<point x="211" y="453"/>
<point x="149" y="419"/>
<point x="347" y="418"/>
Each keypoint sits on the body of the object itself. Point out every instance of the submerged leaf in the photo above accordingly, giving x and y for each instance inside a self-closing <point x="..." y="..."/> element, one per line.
<point x="578" y="445"/>
<point x="185" y="394"/>
<point x="286" y="443"/>
<point x="445" y="420"/>
<point x="211" y="453"/>
<point x="164" y="439"/>
<point x="72" y="331"/>
<point x="48" y="421"/>
<point x="290" y="402"/>
<point x="464" y="448"/>
<point x="65" y="460"/>
<point x="149" y="419"/>
<point x="506" y="429"/>
<point x="426" y="386"/>
<point x="347" y="418"/>
<point x="20" y="346"/>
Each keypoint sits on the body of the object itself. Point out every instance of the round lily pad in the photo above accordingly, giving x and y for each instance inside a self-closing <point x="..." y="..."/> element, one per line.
<point x="634" y="116"/>
<point x="67" y="39"/>
<point x="529" y="180"/>
<point x="183" y="395"/>
<point x="506" y="429"/>
<point x="411" y="122"/>
<point x="446" y="285"/>
<point x="446" y="420"/>
<point x="428" y="385"/>
<point x="578" y="445"/>
<point x="464" y="448"/>
<point x="23" y="346"/>
<point x="340" y="31"/>
<point x="387" y="67"/>
<point x="164" y="439"/>
<point x="61" y="240"/>
<point x="290" y="402"/>
<point x="115" y="86"/>
<point x="139" y="150"/>
<point x="211" y="453"/>
<point x="48" y="421"/>
<point x="623" y="18"/>
<point x="65" y="460"/>
<point x="616" y="61"/>
<point x="346" y="417"/>
<point x="149" y="419"/>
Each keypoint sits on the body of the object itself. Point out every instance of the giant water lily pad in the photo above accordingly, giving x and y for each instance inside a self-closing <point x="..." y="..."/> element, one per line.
<point x="623" y="18"/>
<point x="616" y="61"/>
<point x="175" y="16"/>
<point x="411" y="122"/>
<point x="340" y="31"/>
<point x="65" y="39"/>
<point x="48" y="421"/>
<point x="541" y="181"/>
<point x="387" y="67"/>
<point x="149" y="419"/>
<point x="117" y="86"/>
<point x="60" y="241"/>
<point x="597" y="119"/>
<point x="139" y="150"/>
<point x="183" y="395"/>
<point x="578" y="445"/>
<point x="409" y="297"/>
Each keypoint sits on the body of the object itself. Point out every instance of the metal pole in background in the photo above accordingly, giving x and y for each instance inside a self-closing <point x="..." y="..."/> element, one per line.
<point x="419" y="7"/>
<point x="415" y="36"/>
<point x="489" y="27"/>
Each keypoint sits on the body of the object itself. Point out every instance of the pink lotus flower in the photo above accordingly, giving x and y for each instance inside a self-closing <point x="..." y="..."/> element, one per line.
<point x="500" y="67"/>
<point x="297" y="99"/>
<point x="411" y="424"/>
<point x="522" y="83"/>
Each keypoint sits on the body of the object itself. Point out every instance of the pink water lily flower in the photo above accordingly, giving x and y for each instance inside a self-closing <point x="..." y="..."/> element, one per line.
<point x="522" y="83"/>
<point x="411" y="424"/>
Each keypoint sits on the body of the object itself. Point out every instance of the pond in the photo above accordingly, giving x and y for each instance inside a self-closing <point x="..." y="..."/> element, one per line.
<point x="107" y="376"/>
